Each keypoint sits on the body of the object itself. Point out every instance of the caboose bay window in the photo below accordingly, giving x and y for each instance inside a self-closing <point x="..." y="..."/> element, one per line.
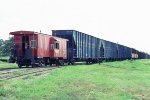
<point x="33" y="43"/>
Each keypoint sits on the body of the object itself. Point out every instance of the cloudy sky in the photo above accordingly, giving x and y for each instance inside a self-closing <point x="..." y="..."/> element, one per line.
<point x="124" y="21"/>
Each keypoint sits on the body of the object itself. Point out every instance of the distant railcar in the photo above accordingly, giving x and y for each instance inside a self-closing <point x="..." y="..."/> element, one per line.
<point x="33" y="48"/>
<point x="143" y="55"/>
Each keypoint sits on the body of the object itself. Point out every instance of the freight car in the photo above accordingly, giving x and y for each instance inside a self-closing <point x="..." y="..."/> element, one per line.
<point x="81" y="47"/>
<point x="33" y="48"/>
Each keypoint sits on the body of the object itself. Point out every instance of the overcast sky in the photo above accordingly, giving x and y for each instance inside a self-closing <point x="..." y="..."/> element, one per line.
<point x="124" y="21"/>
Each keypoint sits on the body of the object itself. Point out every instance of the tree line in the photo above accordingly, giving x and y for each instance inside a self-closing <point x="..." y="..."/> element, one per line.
<point x="6" y="46"/>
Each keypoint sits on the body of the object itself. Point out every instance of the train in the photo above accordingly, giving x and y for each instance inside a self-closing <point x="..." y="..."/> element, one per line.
<point x="66" y="46"/>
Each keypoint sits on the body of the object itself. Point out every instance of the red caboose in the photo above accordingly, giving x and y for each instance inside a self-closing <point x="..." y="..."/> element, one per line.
<point x="33" y="48"/>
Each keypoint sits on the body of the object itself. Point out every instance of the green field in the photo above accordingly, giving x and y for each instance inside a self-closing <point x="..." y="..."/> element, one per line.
<point x="124" y="80"/>
<point x="7" y="65"/>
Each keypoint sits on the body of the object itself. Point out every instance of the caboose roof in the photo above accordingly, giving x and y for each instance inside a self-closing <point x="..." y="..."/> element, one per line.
<point x="22" y="32"/>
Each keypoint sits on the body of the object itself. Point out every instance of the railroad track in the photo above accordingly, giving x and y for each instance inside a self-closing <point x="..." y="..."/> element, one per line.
<point x="12" y="70"/>
<point x="10" y="75"/>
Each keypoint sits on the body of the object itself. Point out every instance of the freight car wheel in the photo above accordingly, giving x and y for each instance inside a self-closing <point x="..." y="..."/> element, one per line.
<point x="50" y="64"/>
<point x="41" y="64"/>
<point x="72" y="63"/>
<point x="19" y="65"/>
<point x="33" y="65"/>
<point x="27" y="65"/>
<point x="61" y="63"/>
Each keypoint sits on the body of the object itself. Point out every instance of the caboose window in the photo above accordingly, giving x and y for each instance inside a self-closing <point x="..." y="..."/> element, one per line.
<point x="33" y="44"/>
<point x="52" y="46"/>
<point x="57" y="45"/>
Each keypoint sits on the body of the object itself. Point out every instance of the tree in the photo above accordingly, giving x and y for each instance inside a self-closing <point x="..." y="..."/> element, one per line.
<point x="1" y="42"/>
<point x="1" y="46"/>
<point x="5" y="46"/>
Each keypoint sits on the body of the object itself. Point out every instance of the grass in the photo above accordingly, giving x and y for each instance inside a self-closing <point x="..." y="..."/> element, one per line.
<point x="4" y="57"/>
<point x="7" y="65"/>
<point x="122" y="80"/>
